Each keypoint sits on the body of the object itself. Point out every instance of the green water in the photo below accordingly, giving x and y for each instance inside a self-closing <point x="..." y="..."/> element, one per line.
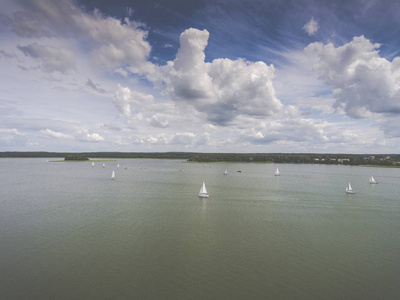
<point x="69" y="232"/>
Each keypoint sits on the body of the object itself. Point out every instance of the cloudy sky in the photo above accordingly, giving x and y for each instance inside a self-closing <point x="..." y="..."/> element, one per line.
<point x="207" y="76"/>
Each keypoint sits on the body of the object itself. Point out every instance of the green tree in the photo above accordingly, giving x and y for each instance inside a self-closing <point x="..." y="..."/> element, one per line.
<point x="76" y="156"/>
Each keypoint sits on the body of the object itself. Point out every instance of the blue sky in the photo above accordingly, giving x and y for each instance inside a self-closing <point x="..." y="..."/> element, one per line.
<point x="207" y="76"/>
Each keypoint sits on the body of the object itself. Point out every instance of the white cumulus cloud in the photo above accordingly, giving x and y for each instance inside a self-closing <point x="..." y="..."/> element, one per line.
<point x="55" y="134"/>
<point x="186" y="77"/>
<point x="121" y="100"/>
<point x="223" y="88"/>
<point x="124" y="97"/>
<point x="12" y="131"/>
<point x="311" y="27"/>
<point x="186" y="139"/>
<point x="85" y="136"/>
<point x="362" y="82"/>
<point x="11" y="137"/>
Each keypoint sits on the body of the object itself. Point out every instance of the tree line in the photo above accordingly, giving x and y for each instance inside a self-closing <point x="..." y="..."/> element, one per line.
<point x="298" y="158"/>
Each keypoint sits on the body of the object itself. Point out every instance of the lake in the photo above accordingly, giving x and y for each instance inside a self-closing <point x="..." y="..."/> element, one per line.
<point x="69" y="232"/>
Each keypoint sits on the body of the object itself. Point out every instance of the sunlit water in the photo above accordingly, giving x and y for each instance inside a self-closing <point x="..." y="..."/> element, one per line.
<point x="69" y="232"/>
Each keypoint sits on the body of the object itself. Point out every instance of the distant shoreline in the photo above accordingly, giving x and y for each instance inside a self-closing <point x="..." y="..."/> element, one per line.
<point x="90" y="160"/>
<point x="382" y="160"/>
<point x="381" y="166"/>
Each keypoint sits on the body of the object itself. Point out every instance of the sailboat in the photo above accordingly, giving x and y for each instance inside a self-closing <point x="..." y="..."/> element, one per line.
<point x="226" y="172"/>
<point x="372" y="180"/>
<point x="113" y="175"/>
<point x="104" y="165"/>
<point x="92" y="163"/>
<point x="349" y="190"/>
<point x="118" y="166"/>
<point x="203" y="192"/>
<point x="277" y="172"/>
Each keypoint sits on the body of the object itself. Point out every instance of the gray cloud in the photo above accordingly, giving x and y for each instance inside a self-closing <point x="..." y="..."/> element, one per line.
<point x="158" y="121"/>
<point x="112" y="127"/>
<point x="7" y="55"/>
<point x="43" y="18"/>
<point x="391" y="126"/>
<point x="5" y="22"/>
<point x="112" y="43"/>
<point x="52" y="58"/>
<point x="91" y="85"/>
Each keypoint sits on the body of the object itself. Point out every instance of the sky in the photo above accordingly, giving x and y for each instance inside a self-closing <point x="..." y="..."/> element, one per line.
<point x="267" y="76"/>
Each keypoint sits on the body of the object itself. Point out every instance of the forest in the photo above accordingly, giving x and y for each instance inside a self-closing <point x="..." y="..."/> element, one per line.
<point x="392" y="160"/>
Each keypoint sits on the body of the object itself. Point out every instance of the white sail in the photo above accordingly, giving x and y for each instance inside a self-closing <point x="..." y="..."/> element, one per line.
<point x="112" y="175"/>
<point x="372" y="180"/>
<point x="226" y="172"/>
<point x="203" y="191"/>
<point x="104" y="165"/>
<point x="118" y="166"/>
<point x="349" y="189"/>
<point x="92" y="163"/>
<point x="277" y="172"/>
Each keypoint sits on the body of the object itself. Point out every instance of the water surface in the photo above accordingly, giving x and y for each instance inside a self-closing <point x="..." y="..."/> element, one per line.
<point x="69" y="232"/>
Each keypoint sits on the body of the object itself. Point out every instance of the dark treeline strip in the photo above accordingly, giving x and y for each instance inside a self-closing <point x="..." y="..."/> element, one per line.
<point x="309" y="158"/>
<point x="38" y="154"/>
<point x="76" y="156"/>
<point x="299" y="158"/>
